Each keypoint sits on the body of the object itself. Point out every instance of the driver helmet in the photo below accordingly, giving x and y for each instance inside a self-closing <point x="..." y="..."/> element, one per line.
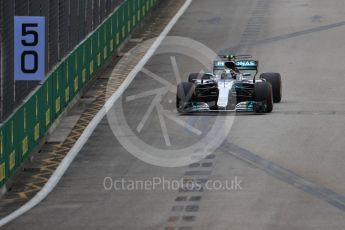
<point x="232" y="67"/>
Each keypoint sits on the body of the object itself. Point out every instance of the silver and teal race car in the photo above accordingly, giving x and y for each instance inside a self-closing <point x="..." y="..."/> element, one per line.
<point x="232" y="86"/>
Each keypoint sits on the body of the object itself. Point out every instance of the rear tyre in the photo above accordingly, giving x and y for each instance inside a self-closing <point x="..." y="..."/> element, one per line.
<point x="263" y="93"/>
<point x="193" y="76"/>
<point x="276" y="82"/>
<point x="184" y="95"/>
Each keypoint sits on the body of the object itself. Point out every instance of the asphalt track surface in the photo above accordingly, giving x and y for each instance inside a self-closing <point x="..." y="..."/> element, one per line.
<point x="290" y="163"/>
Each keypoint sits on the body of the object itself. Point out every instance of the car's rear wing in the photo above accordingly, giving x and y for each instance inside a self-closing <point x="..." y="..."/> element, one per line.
<point x="242" y="64"/>
<point x="247" y="64"/>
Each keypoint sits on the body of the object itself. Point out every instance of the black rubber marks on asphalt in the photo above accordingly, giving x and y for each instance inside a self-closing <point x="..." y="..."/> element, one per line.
<point x="252" y="30"/>
<point x="187" y="203"/>
<point x="254" y="26"/>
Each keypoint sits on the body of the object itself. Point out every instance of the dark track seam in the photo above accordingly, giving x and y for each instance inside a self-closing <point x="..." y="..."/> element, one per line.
<point x="286" y="175"/>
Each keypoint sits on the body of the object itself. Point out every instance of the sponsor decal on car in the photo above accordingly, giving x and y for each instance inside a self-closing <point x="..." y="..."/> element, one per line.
<point x="246" y="63"/>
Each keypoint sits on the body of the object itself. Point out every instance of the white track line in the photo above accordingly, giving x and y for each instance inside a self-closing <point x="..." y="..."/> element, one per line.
<point x="59" y="172"/>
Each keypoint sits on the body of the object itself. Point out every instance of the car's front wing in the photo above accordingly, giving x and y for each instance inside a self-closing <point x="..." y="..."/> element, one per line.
<point x="245" y="106"/>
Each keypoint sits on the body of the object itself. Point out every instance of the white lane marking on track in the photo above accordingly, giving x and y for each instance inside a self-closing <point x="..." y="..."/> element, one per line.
<point x="58" y="173"/>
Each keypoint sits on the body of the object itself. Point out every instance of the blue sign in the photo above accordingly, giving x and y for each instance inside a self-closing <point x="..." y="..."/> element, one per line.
<point x="29" y="48"/>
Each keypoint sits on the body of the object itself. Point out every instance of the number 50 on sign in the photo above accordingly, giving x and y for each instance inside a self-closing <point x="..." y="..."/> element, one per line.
<point x="29" y="48"/>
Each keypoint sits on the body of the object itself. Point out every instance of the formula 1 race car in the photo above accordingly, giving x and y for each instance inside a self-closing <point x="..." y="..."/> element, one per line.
<point x="231" y="87"/>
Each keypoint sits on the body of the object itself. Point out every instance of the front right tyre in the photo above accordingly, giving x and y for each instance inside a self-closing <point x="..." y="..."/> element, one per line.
<point x="276" y="82"/>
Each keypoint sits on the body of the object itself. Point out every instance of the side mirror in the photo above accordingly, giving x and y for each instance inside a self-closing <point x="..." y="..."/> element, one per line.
<point x="247" y="74"/>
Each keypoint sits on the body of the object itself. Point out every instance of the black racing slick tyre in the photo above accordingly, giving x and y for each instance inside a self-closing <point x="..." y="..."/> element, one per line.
<point x="263" y="93"/>
<point x="276" y="82"/>
<point x="184" y="95"/>
<point x="193" y="76"/>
